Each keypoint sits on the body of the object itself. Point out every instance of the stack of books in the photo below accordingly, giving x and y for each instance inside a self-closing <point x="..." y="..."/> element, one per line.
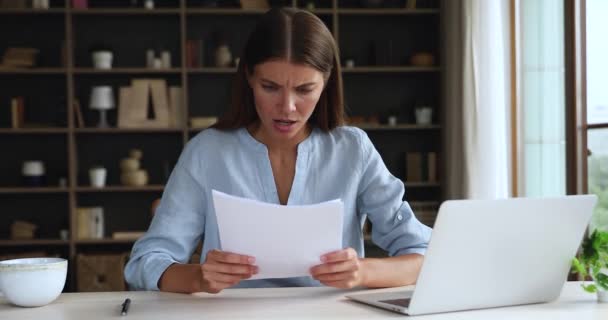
<point x="90" y="222"/>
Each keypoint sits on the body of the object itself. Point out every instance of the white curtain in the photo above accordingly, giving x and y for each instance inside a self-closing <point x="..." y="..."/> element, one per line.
<point x="477" y="99"/>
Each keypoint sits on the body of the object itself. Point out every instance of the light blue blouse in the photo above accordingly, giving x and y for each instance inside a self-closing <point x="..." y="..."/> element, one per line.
<point x="340" y="164"/>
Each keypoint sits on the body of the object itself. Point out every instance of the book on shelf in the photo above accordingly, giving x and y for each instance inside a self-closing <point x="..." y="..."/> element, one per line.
<point x="127" y="235"/>
<point x="421" y="167"/>
<point x="195" y="53"/>
<point x="136" y="101"/>
<point x="90" y="223"/>
<point x="13" y="4"/>
<point x="414" y="167"/>
<point x="255" y="4"/>
<point x="160" y="102"/>
<point x="80" y="4"/>
<point x="79" y="123"/>
<point x="176" y="107"/>
<point x="432" y="166"/>
<point x="425" y="213"/>
<point x="17" y="112"/>
<point x="20" y="57"/>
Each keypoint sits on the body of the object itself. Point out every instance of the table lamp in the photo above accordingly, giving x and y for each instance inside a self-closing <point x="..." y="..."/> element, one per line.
<point x="102" y="99"/>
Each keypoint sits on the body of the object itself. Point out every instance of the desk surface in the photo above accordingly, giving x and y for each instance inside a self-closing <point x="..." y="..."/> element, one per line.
<point x="281" y="303"/>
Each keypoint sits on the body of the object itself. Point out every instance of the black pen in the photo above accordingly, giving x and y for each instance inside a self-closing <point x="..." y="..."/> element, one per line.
<point x="125" y="307"/>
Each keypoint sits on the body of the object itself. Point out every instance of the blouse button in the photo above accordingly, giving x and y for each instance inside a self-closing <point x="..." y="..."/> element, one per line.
<point x="399" y="217"/>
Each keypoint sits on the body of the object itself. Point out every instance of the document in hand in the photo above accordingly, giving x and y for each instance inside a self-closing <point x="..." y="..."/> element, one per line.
<point x="285" y="240"/>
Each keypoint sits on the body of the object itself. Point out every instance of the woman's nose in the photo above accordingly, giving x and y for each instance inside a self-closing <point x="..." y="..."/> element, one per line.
<point x="288" y="102"/>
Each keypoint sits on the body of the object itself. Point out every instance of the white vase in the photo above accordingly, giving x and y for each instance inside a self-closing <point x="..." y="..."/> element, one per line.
<point x="97" y="177"/>
<point x="102" y="59"/>
<point x="424" y="115"/>
<point x="602" y="294"/>
<point x="223" y="56"/>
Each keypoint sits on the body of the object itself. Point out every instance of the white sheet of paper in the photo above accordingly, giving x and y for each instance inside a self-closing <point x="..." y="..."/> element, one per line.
<point x="286" y="241"/>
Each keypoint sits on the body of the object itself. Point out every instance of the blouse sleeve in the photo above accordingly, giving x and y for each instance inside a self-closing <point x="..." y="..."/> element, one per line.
<point x="380" y="197"/>
<point x="175" y="230"/>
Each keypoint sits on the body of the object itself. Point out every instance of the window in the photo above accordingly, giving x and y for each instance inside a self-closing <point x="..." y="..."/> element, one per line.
<point x="596" y="54"/>
<point x="541" y="74"/>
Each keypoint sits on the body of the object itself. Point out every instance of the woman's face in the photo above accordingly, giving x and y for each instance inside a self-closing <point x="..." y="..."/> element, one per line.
<point x="285" y="96"/>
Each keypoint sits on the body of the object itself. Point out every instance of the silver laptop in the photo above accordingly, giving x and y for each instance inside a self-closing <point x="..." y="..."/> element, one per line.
<point x="492" y="253"/>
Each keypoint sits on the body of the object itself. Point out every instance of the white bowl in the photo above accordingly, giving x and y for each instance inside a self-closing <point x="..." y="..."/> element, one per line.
<point x="32" y="282"/>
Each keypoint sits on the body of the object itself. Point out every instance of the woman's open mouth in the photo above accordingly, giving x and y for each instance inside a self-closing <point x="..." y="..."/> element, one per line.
<point x="284" y="125"/>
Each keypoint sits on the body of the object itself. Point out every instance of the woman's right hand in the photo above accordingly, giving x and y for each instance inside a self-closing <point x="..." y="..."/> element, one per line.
<point x="222" y="270"/>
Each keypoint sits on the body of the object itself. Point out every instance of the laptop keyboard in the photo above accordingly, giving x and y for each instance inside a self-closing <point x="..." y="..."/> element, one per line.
<point x="398" y="302"/>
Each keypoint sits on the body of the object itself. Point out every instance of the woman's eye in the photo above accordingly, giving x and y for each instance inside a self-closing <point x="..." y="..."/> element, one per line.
<point x="304" y="91"/>
<point x="269" y="88"/>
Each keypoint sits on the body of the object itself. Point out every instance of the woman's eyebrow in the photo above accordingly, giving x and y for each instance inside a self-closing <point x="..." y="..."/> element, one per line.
<point x="308" y="84"/>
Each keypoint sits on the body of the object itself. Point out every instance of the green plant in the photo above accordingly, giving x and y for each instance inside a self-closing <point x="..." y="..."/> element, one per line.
<point x="593" y="258"/>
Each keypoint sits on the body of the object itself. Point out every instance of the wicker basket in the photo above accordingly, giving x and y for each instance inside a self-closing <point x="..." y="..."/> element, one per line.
<point x="101" y="272"/>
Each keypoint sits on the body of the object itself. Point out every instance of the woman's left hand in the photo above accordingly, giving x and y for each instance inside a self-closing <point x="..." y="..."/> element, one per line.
<point x="341" y="269"/>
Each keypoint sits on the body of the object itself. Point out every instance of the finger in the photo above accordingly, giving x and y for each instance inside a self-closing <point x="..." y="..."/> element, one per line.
<point x="338" y="276"/>
<point x="228" y="279"/>
<point x="216" y="286"/>
<point x="350" y="265"/>
<point x="340" y="255"/>
<point x="229" y="257"/>
<point x="230" y="268"/>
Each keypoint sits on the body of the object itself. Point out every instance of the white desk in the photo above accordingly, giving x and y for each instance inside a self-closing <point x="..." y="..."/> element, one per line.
<point x="281" y="303"/>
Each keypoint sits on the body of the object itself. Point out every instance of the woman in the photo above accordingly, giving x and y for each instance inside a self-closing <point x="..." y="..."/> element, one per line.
<point x="283" y="141"/>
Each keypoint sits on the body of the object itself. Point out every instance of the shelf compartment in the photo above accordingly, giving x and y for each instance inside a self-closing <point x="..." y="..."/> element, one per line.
<point x="44" y="100"/>
<point x="93" y="30"/>
<point x="52" y="150"/>
<point x="388" y="40"/>
<point x="160" y="153"/>
<point x="25" y="31"/>
<point x="50" y="217"/>
<point x="122" y="212"/>
<point x="82" y="90"/>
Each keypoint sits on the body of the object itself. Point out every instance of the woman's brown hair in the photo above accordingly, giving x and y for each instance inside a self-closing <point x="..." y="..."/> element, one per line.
<point x="299" y="37"/>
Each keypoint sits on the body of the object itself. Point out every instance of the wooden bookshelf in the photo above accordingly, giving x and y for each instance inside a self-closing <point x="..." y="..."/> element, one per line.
<point x="372" y="88"/>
